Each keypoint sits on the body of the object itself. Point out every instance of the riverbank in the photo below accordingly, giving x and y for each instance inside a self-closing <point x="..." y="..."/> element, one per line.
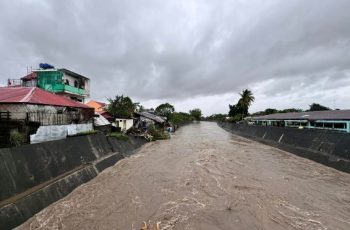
<point x="34" y="176"/>
<point x="329" y="148"/>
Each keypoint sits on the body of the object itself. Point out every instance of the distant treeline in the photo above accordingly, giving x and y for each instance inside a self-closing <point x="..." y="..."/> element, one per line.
<point x="236" y="117"/>
<point x="313" y="107"/>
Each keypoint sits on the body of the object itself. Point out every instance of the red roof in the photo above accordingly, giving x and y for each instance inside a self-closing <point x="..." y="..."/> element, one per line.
<point x="101" y="103"/>
<point x="34" y="95"/>
<point x="106" y="115"/>
<point x="29" y="77"/>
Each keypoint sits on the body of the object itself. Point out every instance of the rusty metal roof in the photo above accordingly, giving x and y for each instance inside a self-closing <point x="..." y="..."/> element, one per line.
<point x="314" y="115"/>
<point x="35" y="95"/>
<point x="151" y="116"/>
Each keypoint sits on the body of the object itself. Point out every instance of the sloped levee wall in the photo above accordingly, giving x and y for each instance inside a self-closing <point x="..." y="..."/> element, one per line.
<point x="326" y="147"/>
<point x="29" y="165"/>
<point x="34" y="176"/>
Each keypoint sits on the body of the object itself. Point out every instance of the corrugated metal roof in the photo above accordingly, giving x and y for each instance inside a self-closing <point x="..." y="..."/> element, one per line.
<point x="93" y="103"/>
<point x="151" y="116"/>
<point x="106" y="115"/>
<point x="34" y="95"/>
<point x="315" y="115"/>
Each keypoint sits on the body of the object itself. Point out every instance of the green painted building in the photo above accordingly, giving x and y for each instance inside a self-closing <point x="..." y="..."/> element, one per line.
<point x="59" y="81"/>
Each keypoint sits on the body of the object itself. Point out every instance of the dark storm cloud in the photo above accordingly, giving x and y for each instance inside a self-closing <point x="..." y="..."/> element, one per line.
<point x="182" y="49"/>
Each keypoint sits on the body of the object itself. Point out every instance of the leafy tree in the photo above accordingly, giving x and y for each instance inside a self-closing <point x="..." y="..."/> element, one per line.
<point x="266" y="112"/>
<point x="216" y="117"/>
<point x="165" y="110"/>
<point x="236" y="118"/>
<point x="291" y="110"/>
<point x="121" y="107"/>
<point x="140" y="108"/>
<point x="242" y="105"/>
<point x="259" y="113"/>
<point x="270" y="111"/>
<point x="196" y="114"/>
<point x="317" y="107"/>
<point x="235" y="109"/>
<point x="180" y="118"/>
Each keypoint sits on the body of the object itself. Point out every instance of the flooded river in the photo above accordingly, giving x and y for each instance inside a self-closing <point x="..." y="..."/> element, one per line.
<point x="206" y="178"/>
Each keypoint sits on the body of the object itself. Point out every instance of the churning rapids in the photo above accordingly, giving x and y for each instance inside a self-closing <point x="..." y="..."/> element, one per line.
<point x="206" y="178"/>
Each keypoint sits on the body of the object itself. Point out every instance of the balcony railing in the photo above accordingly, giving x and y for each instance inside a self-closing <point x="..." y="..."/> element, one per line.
<point x="60" y="88"/>
<point x="74" y="90"/>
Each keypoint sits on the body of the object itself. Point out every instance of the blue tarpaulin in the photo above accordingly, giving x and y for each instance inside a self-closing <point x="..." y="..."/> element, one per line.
<point x="46" y="66"/>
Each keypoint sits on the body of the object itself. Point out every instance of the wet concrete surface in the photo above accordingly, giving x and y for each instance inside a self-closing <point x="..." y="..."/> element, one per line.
<point x="206" y="178"/>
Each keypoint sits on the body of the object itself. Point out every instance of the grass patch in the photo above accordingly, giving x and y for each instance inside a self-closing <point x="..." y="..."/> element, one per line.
<point x="86" y="133"/>
<point x="119" y="136"/>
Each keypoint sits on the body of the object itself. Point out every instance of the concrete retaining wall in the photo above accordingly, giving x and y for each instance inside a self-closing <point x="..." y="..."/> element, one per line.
<point x="52" y="170"/>
<point x="19" y="211"/>
<point x="326" y="147"/>
<point x="29" y="165"/>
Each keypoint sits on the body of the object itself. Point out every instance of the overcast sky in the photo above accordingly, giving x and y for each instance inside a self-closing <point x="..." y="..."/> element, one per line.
<point x="190" y="53"/>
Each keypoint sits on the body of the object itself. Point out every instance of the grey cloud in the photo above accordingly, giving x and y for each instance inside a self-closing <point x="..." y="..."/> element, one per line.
<point x="182" y="49"/>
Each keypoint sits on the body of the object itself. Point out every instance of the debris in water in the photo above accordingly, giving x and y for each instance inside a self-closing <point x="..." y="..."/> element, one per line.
<point x="149" y="226"/>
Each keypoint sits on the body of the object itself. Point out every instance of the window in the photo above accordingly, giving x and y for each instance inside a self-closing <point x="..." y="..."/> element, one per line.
<point x="318" y="124"/>
<point x="303" y="124"/>
<point x="340" y="126"/>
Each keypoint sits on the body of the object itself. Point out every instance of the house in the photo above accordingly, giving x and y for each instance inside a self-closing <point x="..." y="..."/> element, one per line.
<point x="124" y="123"/>
<point x="100" y="109"/>
<point x="42" y="116"/>
<point x="59" y="81"/>
<point x="102" y="120"/>
<point x="144" y="119"/>
<point x="337" y="120"/>
<point x="98" y="106"/>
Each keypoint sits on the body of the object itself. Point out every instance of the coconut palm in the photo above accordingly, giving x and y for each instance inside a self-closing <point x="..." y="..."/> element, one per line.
<point x="245" y="101"/>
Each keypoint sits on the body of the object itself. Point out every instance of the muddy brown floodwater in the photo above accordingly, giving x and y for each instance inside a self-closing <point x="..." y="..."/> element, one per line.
<point x="206" y="178"/>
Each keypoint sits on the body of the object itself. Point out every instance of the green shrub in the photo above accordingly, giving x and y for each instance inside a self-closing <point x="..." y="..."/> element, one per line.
<point x="119" y="136"/>
<point x="16" y="139"/>
<point x="180" y="118"/>
<point x="236" y="118"/>
<point x="158" y="134"/>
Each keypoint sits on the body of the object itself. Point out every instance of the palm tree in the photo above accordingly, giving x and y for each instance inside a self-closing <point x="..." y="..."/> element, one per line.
<point x="245" y="101"/>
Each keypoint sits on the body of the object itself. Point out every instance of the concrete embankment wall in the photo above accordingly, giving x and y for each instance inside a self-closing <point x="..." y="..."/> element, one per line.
<point x="326" y="147"/>
<point x="34" y="176"/>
